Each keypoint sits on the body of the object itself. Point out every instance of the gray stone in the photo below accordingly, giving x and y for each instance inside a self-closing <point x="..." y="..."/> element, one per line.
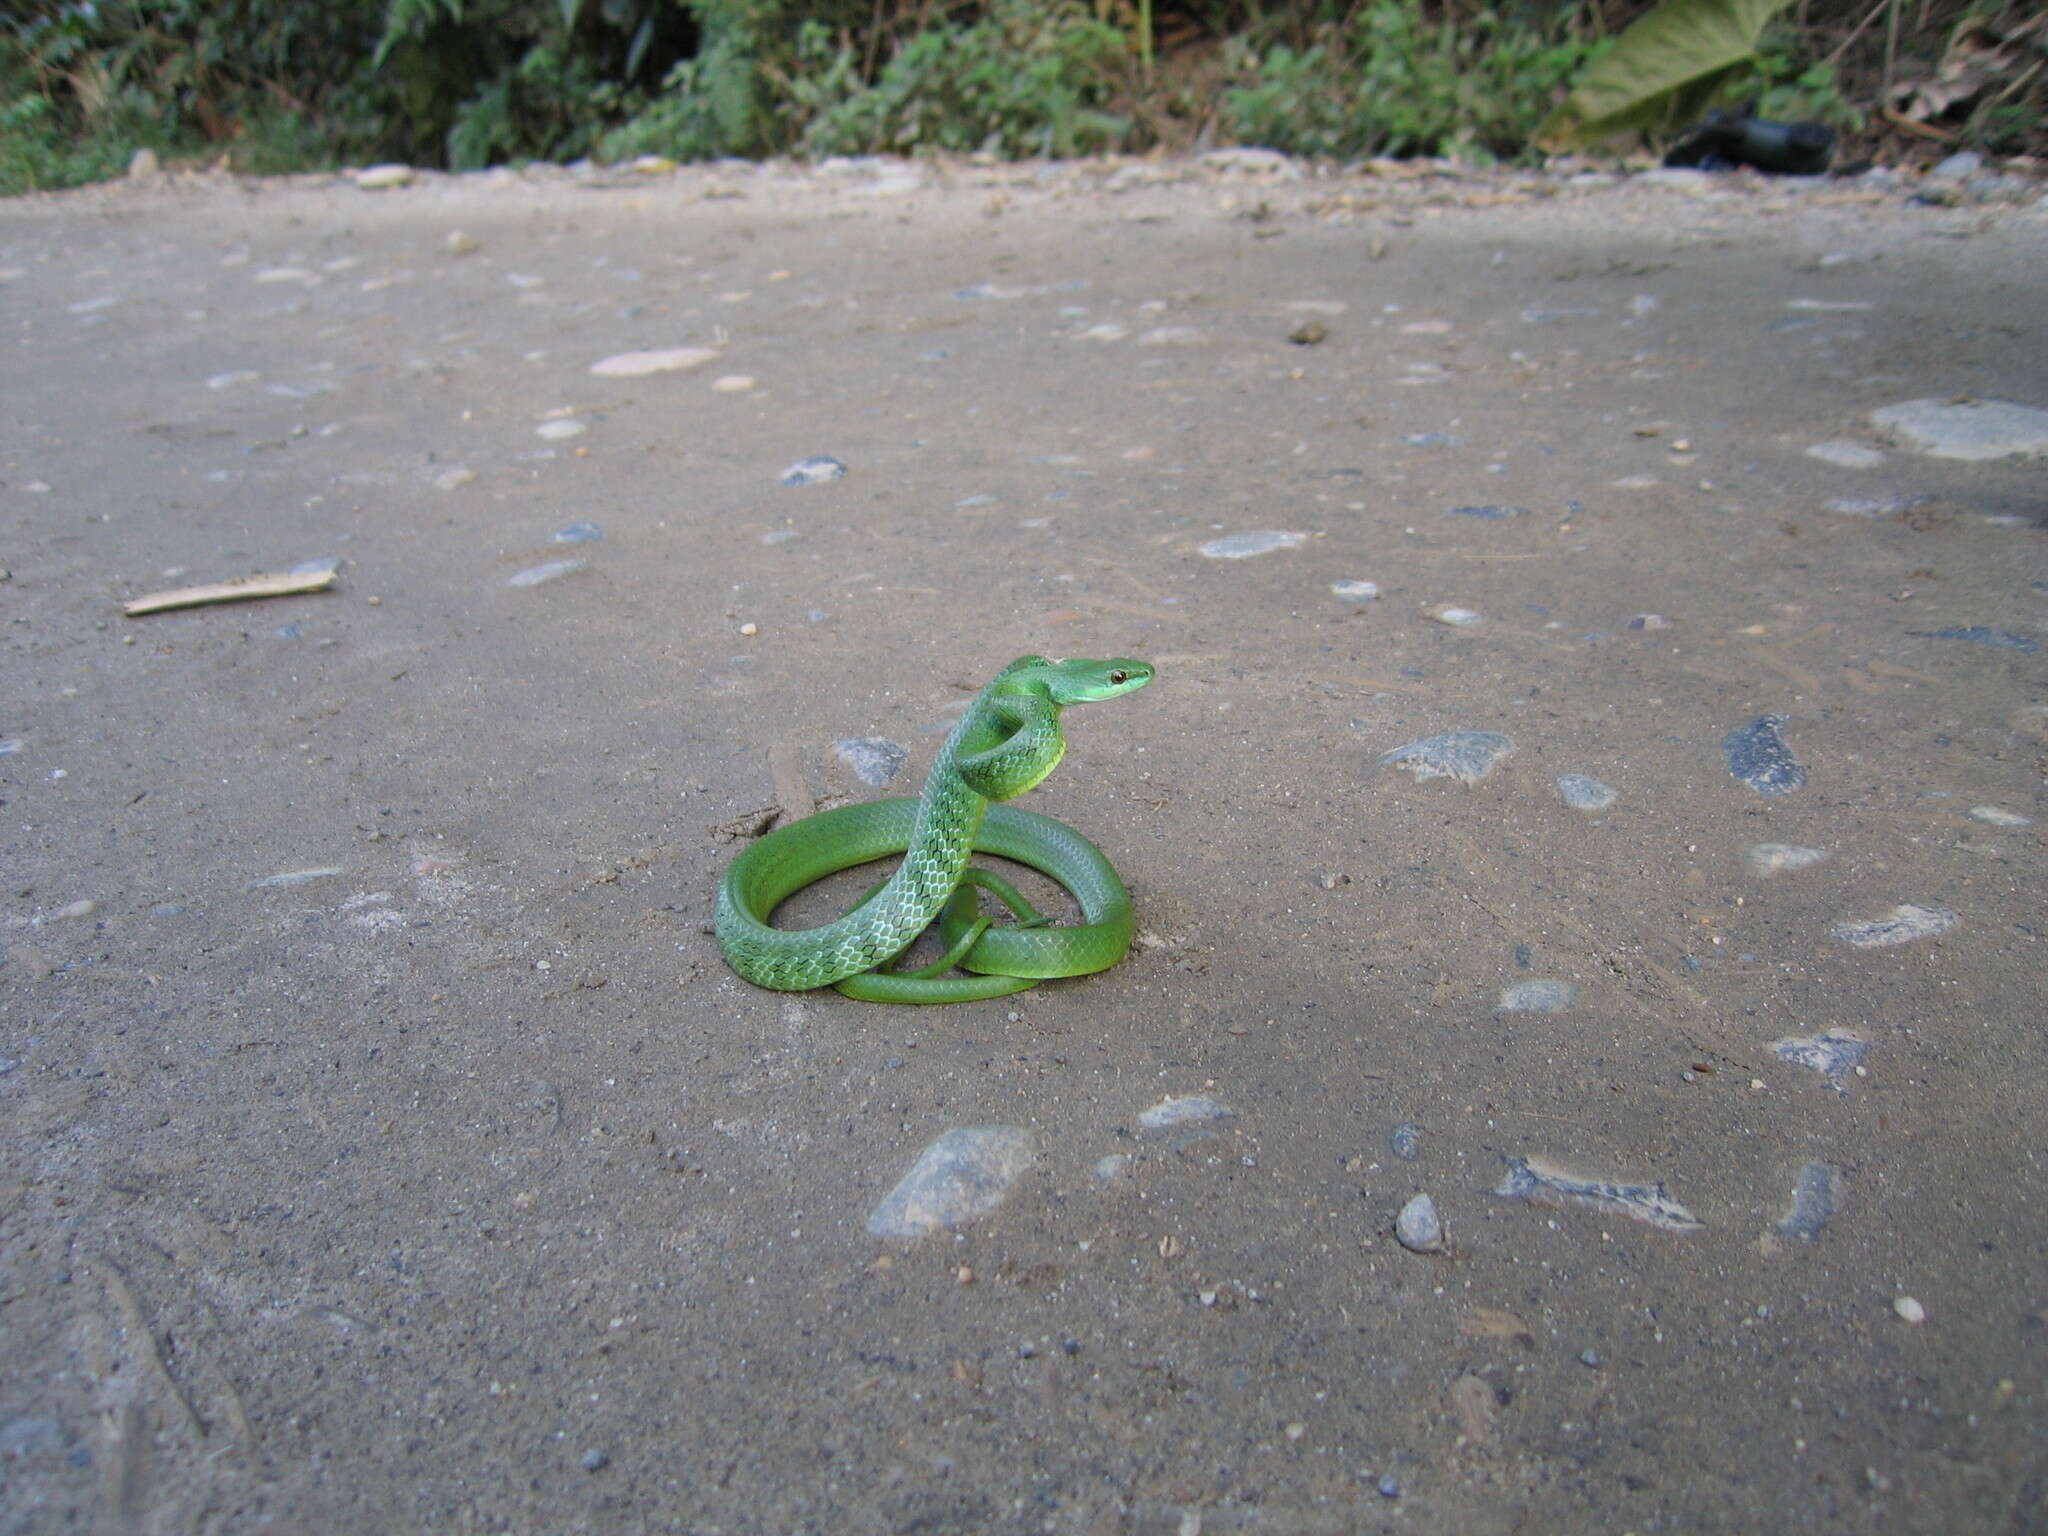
<point x="1974" y="430"/>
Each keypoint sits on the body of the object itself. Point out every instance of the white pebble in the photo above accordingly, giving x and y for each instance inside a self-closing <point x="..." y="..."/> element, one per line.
<point x="560" y="429"/>
<point x="633" y="365"/>
<point x="1903" y="924"/>
<point x="1910" y="1309"/>
<point x="1777" y="858"/>
<point x="1997" y="817"/>
<point x="554" y="570"/>
<point x="1967" y="429"/>
<point x="1171" y="1113"/>
<point x="1242" y="546"/>
<point x="1418" y="1226"/>
<point x="1846" y="455"/>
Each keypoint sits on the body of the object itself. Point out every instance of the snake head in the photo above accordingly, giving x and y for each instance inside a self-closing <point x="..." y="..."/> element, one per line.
<point x="1081" y="680"/>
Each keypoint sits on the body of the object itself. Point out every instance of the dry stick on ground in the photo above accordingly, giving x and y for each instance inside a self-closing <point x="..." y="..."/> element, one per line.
<point x="240" y="589"/>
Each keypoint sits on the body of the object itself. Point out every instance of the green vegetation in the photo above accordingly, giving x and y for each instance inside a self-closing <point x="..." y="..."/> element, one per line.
<point x="275" y="85"/>
<point x="1395" y="79"/>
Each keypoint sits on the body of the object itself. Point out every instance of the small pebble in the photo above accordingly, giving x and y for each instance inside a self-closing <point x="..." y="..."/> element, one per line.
<point x="1540" y="1182"/>
<point x="556" y="430"/>
<point x="1489" y="514"/>
<point x="1357" y="591"/>
<point x="1172" y="1114"/>
<point x="295" y="877"/>
<point x="1418" y="1227"/>
<point x="1590" y="1358"/>
<point x="378" y="178"/>
<point x="733" y="383"/>
<point x="1405" y="1141"/>
<point x="1537" y="997"/>
<point x="1978" y="634"/>
<point x="1831" y="1053"/>
<point x="1815" y="1196"/>
<point x="1467" y="756"/>
<point x="1910" y="1309"/>
<point x="1449" y="613"/>
<point x="554" y="570"/>
<point x="961" y="1176"/>
<point x="1779" y="858"/>
<point x="1994" y="816"/>
<point x="448" y="480"/>
<point x="813" y="471"/>
<point x="633" y="365"/>
<point x="1242" y="546"/>
<point x="1390" y="1486"/>
<point x="577" y="533"/>
<point x="1582" y="793"/>
<point x="1973" y="430"/>
<point x="595" y="1461"/>
<point x="1758" y="755"/>
<point x="750" y="629"/>
<point x="1844" y="455"/>
<point x="1902" y="925"/>
<point x="873" y="759"/>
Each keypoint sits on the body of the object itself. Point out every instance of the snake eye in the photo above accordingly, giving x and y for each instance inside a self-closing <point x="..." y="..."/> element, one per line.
<point x="1119" y="675"/>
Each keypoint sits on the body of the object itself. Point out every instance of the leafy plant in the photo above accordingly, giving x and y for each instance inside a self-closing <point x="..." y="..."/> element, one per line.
<point x="1026" y="79"/>
<point x="715" y="102"/>
<point x="1398" y="81"/>
<point x="1663" y="70"/>
<point x="1784" y="87"/>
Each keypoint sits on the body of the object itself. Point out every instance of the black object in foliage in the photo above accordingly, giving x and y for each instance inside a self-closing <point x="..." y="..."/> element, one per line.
<point x="1727" y="139"/>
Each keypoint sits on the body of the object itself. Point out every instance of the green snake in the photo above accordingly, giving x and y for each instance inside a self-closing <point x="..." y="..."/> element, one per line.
<point x="1006" y="743"/>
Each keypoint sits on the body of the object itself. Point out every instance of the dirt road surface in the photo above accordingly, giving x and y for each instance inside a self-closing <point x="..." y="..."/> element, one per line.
<point x="387" y="1147"/>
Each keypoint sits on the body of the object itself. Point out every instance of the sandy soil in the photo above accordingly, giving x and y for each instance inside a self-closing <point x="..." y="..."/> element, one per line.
<point x="451" y="1182"/>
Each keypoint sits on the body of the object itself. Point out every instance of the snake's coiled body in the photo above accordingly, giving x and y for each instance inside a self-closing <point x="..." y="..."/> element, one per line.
<point x="1007" y="741"/>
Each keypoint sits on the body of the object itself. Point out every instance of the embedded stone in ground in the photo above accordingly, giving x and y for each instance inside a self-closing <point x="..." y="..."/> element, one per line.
<point x="1467" y="756"/>
<point x="1973" y="430"/>
<point x="960" y="1177"/>
<point x="1242" y="546"/>
<point x="1758" y="755"/>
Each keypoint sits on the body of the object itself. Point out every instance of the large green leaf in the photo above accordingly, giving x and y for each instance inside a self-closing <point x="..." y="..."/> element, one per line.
<point x="1665" y="61"/>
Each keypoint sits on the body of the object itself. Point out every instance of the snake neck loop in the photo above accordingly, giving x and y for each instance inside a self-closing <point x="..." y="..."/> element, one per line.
<point x="1028" y="747"/>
